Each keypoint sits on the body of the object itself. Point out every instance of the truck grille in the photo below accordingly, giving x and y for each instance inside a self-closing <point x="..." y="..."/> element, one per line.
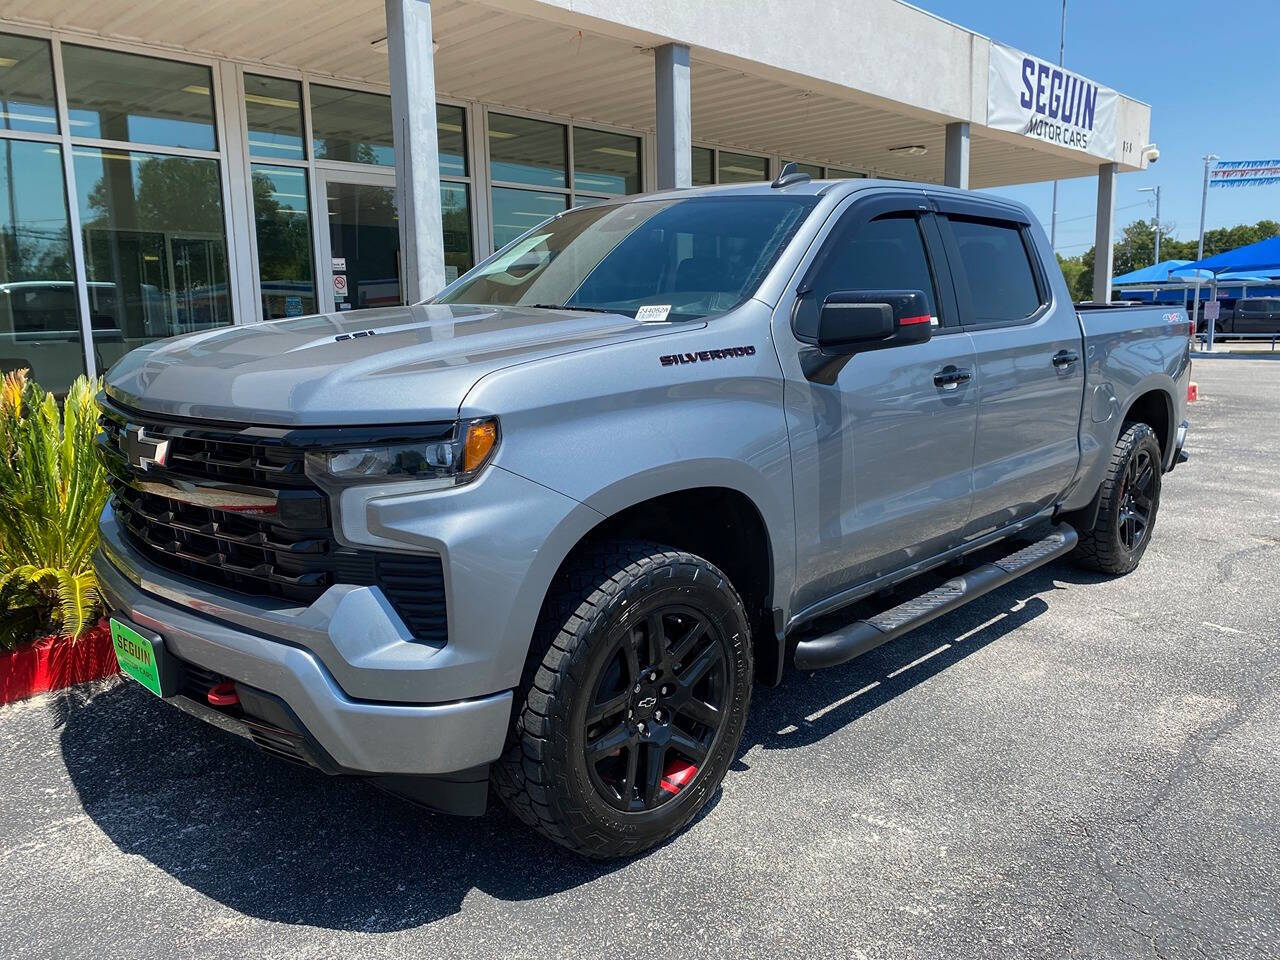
<point x="235" y="509"/>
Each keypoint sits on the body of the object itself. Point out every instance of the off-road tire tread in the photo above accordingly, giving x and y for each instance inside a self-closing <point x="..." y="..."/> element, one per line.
<point x="585" y="596"/>
<point x="1098" y="548"/>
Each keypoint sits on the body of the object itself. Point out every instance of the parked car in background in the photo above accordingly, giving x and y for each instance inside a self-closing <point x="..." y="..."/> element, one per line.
<point x="1251" y="315"/>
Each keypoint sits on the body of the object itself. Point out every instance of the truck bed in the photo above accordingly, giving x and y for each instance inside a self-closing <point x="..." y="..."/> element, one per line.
<point x="1128" y="349"/>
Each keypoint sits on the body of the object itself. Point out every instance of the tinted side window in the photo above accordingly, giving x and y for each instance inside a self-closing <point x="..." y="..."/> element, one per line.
<point x="1002" y="282"/>
<point x="886" y="254"/>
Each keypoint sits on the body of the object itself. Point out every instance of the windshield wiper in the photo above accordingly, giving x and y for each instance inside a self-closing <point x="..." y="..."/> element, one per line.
<point x="566" y="306"/>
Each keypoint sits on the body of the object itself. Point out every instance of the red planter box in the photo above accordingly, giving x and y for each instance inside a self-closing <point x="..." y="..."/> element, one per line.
<point x="52" y="663"/>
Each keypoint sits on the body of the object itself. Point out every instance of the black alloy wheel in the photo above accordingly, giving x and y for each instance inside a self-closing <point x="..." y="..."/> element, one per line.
<point x="1128" y="500"/>
<point x="656" y="708"/>
<point x="634" y="700"/>
<point x="1137" y="498"/>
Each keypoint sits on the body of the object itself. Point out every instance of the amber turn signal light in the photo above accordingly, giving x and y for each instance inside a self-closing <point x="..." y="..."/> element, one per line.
<point x="482" y="437"/>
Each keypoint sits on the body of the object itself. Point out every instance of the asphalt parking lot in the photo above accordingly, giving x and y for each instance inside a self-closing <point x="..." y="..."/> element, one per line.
<point x="1070" y="766"/>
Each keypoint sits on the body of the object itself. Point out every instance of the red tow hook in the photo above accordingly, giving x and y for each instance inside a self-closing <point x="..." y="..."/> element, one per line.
<point x="223" y="695"/>
<point x="677" y="774"/>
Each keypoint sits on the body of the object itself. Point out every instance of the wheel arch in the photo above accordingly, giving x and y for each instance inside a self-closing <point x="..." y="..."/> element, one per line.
<point x="722" y="524"/>
<point x="1155" y="408"/>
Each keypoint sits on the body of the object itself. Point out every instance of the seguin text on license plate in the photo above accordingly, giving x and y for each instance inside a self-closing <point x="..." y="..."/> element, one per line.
<point x="138" y="655"/>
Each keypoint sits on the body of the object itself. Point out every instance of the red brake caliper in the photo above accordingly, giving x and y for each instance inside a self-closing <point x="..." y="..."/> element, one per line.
<point x="677" y="774"/>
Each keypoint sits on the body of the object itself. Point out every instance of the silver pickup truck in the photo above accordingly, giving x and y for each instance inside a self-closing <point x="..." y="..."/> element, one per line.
<point x="545" y="531"/>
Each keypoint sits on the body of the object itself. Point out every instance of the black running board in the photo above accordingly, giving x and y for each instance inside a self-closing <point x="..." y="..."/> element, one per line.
<point x="861" y="636"/>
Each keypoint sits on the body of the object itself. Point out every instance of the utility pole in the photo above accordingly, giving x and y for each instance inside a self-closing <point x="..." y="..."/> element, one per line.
<point x="1204" y="200"/>
<point x="1053" y="219"/>
<point x="1156" y="222"/>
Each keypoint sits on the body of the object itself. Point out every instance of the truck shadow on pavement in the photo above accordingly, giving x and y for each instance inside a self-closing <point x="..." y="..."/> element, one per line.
<point x="284" y="843"/>
<point x="290" y="845"/>
<point x="808" y="707"/>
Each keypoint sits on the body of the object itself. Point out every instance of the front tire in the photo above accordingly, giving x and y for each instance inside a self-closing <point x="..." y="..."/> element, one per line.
<point x="637" y="707"/>
<point x="1130" y="499"/>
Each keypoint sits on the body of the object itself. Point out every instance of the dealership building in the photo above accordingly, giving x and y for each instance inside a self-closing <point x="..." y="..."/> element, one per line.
<point x="171" y="168"/>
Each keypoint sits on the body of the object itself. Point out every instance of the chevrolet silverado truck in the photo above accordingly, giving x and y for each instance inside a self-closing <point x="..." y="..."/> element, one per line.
<point x="543" y="532"/>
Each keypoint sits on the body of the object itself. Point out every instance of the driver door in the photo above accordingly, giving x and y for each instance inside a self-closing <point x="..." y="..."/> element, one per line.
<point x="882" y="458"/>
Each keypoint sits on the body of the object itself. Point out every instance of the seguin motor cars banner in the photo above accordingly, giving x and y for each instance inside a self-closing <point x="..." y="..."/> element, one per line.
<point x="1039" y="99"/>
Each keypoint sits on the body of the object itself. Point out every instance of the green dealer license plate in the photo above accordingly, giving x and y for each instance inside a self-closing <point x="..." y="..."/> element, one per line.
<point x="140" y="656"/>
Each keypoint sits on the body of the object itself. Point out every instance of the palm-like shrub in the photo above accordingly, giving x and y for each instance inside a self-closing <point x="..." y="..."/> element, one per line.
<point x="52" y="489"/>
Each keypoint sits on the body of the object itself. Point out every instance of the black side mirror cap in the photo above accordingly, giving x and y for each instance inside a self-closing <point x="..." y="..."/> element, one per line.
<point x="855" y="321"/>
<point x="851" y="321"/>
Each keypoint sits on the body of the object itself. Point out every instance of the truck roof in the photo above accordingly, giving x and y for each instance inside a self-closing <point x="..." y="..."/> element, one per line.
<point x="822" y="188"/>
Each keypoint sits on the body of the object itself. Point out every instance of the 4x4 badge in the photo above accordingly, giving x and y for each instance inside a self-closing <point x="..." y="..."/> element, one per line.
<point x="142" y="451"/>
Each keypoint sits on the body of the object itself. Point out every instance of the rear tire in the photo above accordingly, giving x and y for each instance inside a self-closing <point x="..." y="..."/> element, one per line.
<point x="630" y="718"/>
<point x="1130" y="499"/>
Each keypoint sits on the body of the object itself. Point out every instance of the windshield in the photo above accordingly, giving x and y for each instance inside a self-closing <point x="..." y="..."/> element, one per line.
<point x="684" y="257"/>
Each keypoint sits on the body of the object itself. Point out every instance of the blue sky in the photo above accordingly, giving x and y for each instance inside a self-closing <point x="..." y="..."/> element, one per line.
<point x="1213" y="85"/>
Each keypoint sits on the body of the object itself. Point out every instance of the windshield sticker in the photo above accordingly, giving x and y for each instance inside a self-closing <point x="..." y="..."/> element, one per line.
<point x="653" y="312"/>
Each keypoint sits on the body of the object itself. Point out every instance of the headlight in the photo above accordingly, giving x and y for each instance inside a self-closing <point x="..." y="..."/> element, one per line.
<point x="437" y="463"/>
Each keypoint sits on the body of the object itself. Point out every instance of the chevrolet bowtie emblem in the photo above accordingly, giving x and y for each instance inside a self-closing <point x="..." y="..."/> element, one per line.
<point x="142" y="451"/>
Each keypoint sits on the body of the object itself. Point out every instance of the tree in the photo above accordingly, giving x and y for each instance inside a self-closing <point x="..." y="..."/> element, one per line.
<point x="1072" y="268"/>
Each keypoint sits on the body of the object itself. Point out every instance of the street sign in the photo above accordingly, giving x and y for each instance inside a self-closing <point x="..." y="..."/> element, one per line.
<point x="1212" y="310"/>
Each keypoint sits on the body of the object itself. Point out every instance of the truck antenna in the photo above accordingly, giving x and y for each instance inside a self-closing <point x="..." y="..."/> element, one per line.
<point x="789" y="175"/>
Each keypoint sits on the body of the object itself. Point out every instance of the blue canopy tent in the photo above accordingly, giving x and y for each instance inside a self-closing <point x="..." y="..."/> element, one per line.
<point x="1156" y="273"/>
<point x="1262" y="258"/>
<point x="1169" y="280"/>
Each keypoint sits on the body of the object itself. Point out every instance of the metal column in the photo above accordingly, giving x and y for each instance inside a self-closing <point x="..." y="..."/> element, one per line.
<point x="413" y="111"/>
<point x="1195" y="307"/>
<point x="675" y="116"/>
<point x="956" y="156"/>
<point x="241" y="232"/>
<point x="1104" y="227"/>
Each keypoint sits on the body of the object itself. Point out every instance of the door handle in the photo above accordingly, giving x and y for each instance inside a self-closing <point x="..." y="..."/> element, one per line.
<point x="1064" y="358"/>
<point x="950" y="377"/>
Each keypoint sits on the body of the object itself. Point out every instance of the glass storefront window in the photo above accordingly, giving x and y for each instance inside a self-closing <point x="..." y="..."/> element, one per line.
<point x="26" y="85"/>
<point x="364" y="231"/>
<point x="533" y="152"/>
<point x="605" y="162"/>
<point x="282" y="221"/>
<point x="835" y="173"/>
<point x="742" y="168"/>
<point x="814" y="171"/>
<point x="155" y="248"/>
<point x="273" y="108"/>
<point x="39" y="316"/>
<point x="451" y="139"/>
<point x="123" y="96"/>
<point x="455" y="210"/>
<point x="703" y="167"/>
<point x="351" y="125"/>
<point x="515" y="211"/>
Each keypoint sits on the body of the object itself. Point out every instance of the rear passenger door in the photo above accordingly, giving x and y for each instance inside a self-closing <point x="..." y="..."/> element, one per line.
<point x="1028" y="358"/>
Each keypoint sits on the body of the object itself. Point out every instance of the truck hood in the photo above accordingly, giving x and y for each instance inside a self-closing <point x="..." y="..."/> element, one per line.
<point x="391" y="365"/>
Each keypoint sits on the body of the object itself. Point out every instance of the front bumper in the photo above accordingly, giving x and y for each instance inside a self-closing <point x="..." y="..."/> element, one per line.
<point x="355" y="735"/>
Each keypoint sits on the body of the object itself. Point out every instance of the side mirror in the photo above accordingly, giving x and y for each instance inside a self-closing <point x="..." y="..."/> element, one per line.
<point x="851" y="321"/>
